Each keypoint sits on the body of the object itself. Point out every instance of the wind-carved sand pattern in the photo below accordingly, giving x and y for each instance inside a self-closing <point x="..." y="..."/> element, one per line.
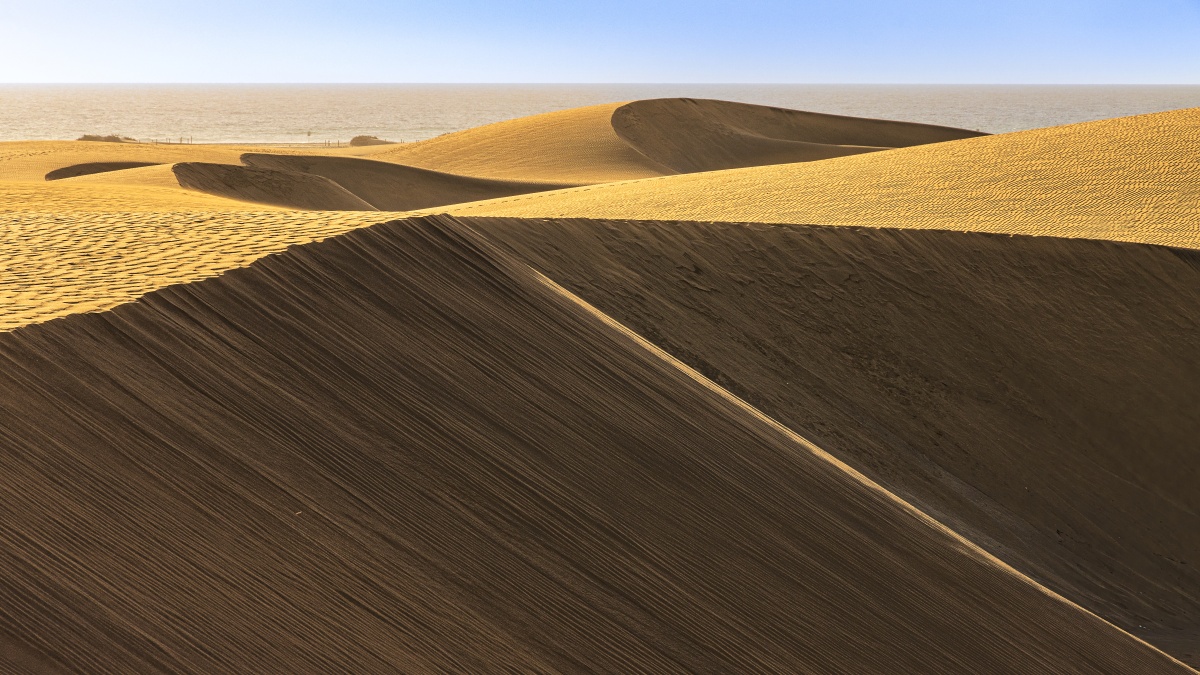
<point x="52" y="265"/>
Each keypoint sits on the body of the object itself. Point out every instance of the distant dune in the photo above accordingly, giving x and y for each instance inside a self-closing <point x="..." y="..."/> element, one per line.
<point x="1126" y="179"/>
<point x="401" y="450"/>
<point x="643" y="139"/>
<point x="535" y="154"/>
<point x="690" y="135"/>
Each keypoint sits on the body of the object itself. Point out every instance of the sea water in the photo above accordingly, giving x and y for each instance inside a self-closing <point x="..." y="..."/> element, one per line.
<point x="320" y="113"/>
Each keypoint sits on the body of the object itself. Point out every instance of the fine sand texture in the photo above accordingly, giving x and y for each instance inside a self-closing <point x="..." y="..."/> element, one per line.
<point x="658" y="137"/>
<point x="1037" y="394"/>
<point x="1127" y="179"/>
<point x="401" y="449"/>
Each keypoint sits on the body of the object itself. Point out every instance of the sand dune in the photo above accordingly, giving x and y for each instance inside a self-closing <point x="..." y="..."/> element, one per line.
<point x="570" y="146"/>
<point x="643" y="139"/>
<point x="1126" y="179"/>
<point x="89" y="168"/>
<point x="399" y="449"/>
<point x="34" y="160"/>
<point x="394" y="187"/>
<point x="690" y="135"/>
<point x="1038" y="394"/>
<point x="288" y="189"/>
<point x="238" y="183"/>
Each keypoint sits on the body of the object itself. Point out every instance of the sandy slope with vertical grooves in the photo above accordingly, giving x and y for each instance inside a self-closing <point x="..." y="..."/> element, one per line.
<point x="1126" y="179"/>
<point x="399" y="450"/>
<point x="1038" y="394"/>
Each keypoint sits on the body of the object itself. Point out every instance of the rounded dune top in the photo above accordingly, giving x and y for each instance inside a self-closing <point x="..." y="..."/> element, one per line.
<point x="577" y="146"/>
<point x="656" y="137"/>
<point x="1126" y="179"/>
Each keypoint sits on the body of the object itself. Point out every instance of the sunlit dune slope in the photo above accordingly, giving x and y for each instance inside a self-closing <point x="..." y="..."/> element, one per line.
<point x="1128" y="179"/>
<point x="400" y="450"/>
<point x="143" y="194"/>
<point x="89" y="243"/>
<point x="394" y="187"/>
<point x="569" y="146"/>
<point x="650" y="138"/>
<point x="691" y="135"/>
<point x="1038" y="394"/>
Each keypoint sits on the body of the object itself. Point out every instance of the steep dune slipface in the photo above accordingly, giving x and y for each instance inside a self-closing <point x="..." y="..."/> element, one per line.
<point x="1127" y="179"/>
<point x="400" y="450"/>
<point x="569" y="146"/>
<point x="1037" y="394"/>
<point x="691" y="135"/>
<point x="288" y="189"/>
<point x="395" y="187"/>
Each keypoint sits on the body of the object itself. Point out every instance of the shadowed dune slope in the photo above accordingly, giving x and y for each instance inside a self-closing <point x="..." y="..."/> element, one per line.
<point x="398" y="449"/>
<point x="395" y="187"/>
<point x="569" y="146"/>
<point x="1037" y="394"/>
<point x="90" y="168"/>
<point x="1127" y="179"/>
<point x="288" y="189"/>
<point x="691" y="135"/>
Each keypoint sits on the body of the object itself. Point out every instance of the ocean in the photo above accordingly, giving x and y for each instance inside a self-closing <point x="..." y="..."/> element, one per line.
<point x="318" y="113"/>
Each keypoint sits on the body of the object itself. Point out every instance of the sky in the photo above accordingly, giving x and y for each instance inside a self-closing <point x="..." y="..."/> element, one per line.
<point x="717" y="41"/>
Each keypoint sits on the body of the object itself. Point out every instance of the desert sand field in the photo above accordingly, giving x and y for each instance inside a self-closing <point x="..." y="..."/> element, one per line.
<point x="671" y="385"/>
<point x="1128" y="179"/>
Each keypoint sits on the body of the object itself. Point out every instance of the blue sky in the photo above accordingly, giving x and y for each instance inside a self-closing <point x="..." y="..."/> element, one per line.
<point x="915" y="41"/>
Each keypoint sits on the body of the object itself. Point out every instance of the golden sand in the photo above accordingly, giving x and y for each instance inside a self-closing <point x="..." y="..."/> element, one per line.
<point x="1127" y="179"/>
<point x="55" y="264"/>
<point x="573" y="146"/>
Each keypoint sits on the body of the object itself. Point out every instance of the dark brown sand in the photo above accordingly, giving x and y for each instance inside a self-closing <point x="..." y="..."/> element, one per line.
<point x="1039" y="395"/>
<point x="288" y="189"/>
<point x="691" y="135"/>
<point x="399" y="450"/>
<point x="395" y="187"/>
<point x="90" y="168"/>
